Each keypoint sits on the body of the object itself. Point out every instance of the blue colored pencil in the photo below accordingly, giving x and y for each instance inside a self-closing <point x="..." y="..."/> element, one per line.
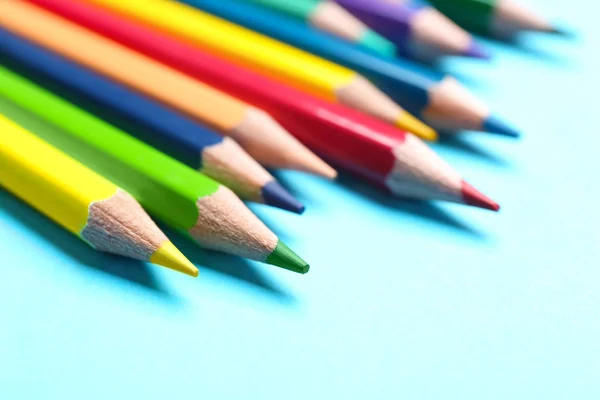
<point x="440" y="101"/>
<point x="183" y="139"/>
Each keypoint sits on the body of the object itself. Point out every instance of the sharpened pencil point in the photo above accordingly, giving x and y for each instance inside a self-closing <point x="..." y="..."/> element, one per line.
<point x="475" y="198"/>
<point x="284" y="257"/>
<point x="475" y="50"/>
<point x="169" y="256"/>
<point x="495" y="125"/>
<point x="275" y="195"/>
<point x="414" y="125"/>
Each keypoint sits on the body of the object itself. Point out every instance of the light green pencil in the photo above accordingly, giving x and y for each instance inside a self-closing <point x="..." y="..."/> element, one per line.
<point x="330" y="17"/>
<point x="178" y="195"/>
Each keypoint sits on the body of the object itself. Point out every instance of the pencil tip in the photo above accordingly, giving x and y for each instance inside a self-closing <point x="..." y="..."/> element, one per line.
<point x="475" y="50"/>
<point x="169" y="256"/>
<point x="414" y="125"/>
<point x="275" y="195"/>
<point x="493" y="124"/>
<point x="284" y="257"/>
<point x="475" y="198"/>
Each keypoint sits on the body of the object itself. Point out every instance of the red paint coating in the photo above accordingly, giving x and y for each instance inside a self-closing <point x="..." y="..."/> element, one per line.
<point x="345" y="137"/>
<point x="475" y="198"/>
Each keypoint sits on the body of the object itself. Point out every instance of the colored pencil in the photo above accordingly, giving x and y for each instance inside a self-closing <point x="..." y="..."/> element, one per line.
<point x="81" y="201"/>
<point x="181" y="197"/>
<point x="418" y="30"/>
<point x="278" y="60"/>
<point x="217" y="157"/>
<point x="440" y="101"/>
<point x="501" y="18"/>
<point x="255" y="130"/>
<point x="355" y="141"/>
<point x="329" y="17"/>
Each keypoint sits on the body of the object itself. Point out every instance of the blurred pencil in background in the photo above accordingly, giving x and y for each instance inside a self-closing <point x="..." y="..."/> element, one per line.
<point x="81" y="201"/>
<point x="277" y="60"/>
<point x="217" y="157"/>
<point x="183" y="198"/>
<point x="347" y="138"/>
<point x="500" y="18"/>
<point x="441" y="101"/>
<point x="418" y="30"/>
<point x="330" y="17"/>
<point x="252" y="128"/>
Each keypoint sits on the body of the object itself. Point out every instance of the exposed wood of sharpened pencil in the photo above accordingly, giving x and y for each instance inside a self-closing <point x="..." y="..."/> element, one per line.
<point x="255" y="130"/>
<point x="282" y="62"/>
<point x="219" y="157"/>
<point x="419" y="31"/>
<point x="328" y="16"/>
<point x="351" y="139"/>
<point x="501" y="18"/>
<point x="410" y="84"/>
<point x="183" y="198"/>
<point x="81" y="201"/>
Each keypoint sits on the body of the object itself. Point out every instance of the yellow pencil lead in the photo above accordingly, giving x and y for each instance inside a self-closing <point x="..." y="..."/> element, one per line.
<point x="169" y="256"/>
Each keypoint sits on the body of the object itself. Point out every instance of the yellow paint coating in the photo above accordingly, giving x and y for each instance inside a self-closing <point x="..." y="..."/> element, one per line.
<point x="410" y="123"/>
<point x="169" y="256"/>
<point x="47" y="179"/>
<point x="243" y="46"/>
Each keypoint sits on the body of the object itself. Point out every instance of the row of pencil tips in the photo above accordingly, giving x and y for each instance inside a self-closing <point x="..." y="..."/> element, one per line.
<point x="178" y="108"/>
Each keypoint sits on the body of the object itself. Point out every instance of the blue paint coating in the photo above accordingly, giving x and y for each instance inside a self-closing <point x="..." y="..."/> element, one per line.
<point x="407" y="81"/>
<point x="275" y="195"/>
<point x="147" y="120"/>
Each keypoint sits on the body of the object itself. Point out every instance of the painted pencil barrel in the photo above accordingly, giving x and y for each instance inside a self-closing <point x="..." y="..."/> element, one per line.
<point x="408" y="86"/>
<point x="81" y="201"/>
<point x="183" y="198"/>
<point x="183" y="139"/>
<point x="330" y="17"/>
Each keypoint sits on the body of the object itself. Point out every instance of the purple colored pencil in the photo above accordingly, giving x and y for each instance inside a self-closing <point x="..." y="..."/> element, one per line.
<point x="419" y="31"/>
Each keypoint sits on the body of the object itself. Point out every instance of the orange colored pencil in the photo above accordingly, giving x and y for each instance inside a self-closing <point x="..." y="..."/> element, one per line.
<point x="254" y="129"/>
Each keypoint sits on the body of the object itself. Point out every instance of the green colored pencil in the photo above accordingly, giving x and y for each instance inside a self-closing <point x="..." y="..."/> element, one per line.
<point x="330" y="17"/>
<point x="180" y="196"/>
<point x="502" y="18"/>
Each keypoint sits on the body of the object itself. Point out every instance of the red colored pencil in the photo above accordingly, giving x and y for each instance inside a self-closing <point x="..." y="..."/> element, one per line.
<point x="393" y="159"/>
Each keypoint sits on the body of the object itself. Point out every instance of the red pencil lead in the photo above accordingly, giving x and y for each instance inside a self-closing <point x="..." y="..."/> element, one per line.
<point x="475" y="198"/>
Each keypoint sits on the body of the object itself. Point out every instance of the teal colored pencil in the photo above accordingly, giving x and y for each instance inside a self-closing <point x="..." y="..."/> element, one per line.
<point x="330" y="17"/>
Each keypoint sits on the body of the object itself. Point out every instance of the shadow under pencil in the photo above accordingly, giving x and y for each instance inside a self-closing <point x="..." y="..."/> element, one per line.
<point x="228" y="265"/>
<point x="131" y="270"/>
<point x="419" y="208"/>
<point x="456" y="141"/>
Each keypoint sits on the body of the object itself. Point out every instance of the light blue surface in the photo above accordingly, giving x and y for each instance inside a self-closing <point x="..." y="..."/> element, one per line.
<point x="462" y="304"/>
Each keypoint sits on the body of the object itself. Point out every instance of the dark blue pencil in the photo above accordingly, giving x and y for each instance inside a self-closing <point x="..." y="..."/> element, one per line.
<point x="440" y="101"/>
<point x="200" y="148"/>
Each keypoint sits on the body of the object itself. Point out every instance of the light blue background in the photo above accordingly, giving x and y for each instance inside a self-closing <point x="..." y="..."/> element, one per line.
<point x="404" y="300"/>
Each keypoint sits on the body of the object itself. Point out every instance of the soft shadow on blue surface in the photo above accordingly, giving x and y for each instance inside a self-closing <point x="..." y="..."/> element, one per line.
<point x="229" y="266"/>
<point x="422" y="209"/>
<point x="522" y="45"/>
<point x="455" y="141"/>
<point x="131" y="270"/>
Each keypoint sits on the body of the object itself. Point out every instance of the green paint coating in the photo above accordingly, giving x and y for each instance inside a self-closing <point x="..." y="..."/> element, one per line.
<point x="301" y="9"/>
<point x="283" y="257"/>
<point x="378" y="43"/>
<point x="473" y="15"/>
<point x="165" y="187"/>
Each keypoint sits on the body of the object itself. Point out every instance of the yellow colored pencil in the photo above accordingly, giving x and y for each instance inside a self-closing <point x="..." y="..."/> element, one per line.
<point x="81" y="201"/>
<point x="280" y="61"/>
